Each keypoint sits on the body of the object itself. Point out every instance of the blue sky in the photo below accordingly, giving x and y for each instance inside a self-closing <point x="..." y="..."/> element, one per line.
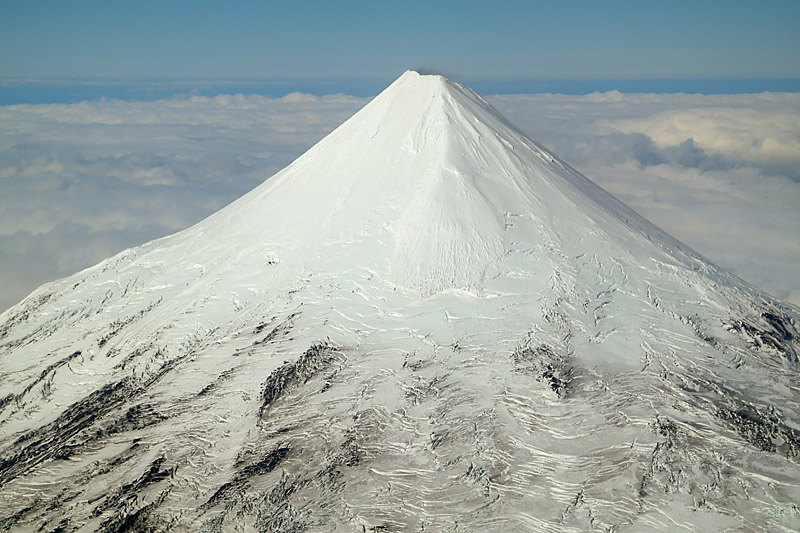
<point x="345" y="39"/>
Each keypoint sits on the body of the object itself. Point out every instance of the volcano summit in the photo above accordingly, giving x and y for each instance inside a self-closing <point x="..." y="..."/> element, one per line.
<point x="427" y="322"/>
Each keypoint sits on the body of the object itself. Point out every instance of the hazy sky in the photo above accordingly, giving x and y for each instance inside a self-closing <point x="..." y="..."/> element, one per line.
<point x="466" y="39"/>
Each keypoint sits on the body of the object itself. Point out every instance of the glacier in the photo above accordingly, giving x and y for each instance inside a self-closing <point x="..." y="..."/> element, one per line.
<point x="427" y="322"/>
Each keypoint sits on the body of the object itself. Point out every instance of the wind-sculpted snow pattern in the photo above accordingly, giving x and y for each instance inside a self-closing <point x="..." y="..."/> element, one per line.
<point x="427" y="322"/>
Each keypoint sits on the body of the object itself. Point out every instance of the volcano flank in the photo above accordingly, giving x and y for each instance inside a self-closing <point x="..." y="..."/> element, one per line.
<point x="427" y="322"/>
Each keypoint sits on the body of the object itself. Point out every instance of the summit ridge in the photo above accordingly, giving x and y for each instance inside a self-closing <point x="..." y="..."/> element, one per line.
<point x="426" y="322"/>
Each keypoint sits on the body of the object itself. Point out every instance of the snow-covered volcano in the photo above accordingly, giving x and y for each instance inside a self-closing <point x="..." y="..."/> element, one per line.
<point x="427" y="322"/>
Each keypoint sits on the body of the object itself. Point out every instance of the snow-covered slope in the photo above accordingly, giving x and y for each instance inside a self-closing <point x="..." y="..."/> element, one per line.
<point x="426" y="322"/>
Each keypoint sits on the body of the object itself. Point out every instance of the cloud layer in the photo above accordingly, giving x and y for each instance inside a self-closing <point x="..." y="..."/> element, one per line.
<point x="80" y="182"/>
<point x="721" y="173"/>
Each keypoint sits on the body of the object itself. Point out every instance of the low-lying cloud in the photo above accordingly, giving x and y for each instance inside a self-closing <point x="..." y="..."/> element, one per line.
<point x="721" y="173"/>
<point x="80" y="182"/>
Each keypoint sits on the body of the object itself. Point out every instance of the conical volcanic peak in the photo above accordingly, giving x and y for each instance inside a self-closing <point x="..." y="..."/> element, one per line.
<point x="434" y="174"/>
<point x="425" y="322"/>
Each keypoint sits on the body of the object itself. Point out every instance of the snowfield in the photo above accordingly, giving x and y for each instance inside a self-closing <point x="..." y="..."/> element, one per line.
<point x="427" y="322"/>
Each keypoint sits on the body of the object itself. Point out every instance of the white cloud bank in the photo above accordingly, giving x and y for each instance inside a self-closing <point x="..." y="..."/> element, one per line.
<point x="79" y="182"/>
<point x="721" y="173"/>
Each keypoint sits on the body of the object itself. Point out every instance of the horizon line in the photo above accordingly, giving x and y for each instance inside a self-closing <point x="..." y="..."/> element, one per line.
<point x="43" y="90"/>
